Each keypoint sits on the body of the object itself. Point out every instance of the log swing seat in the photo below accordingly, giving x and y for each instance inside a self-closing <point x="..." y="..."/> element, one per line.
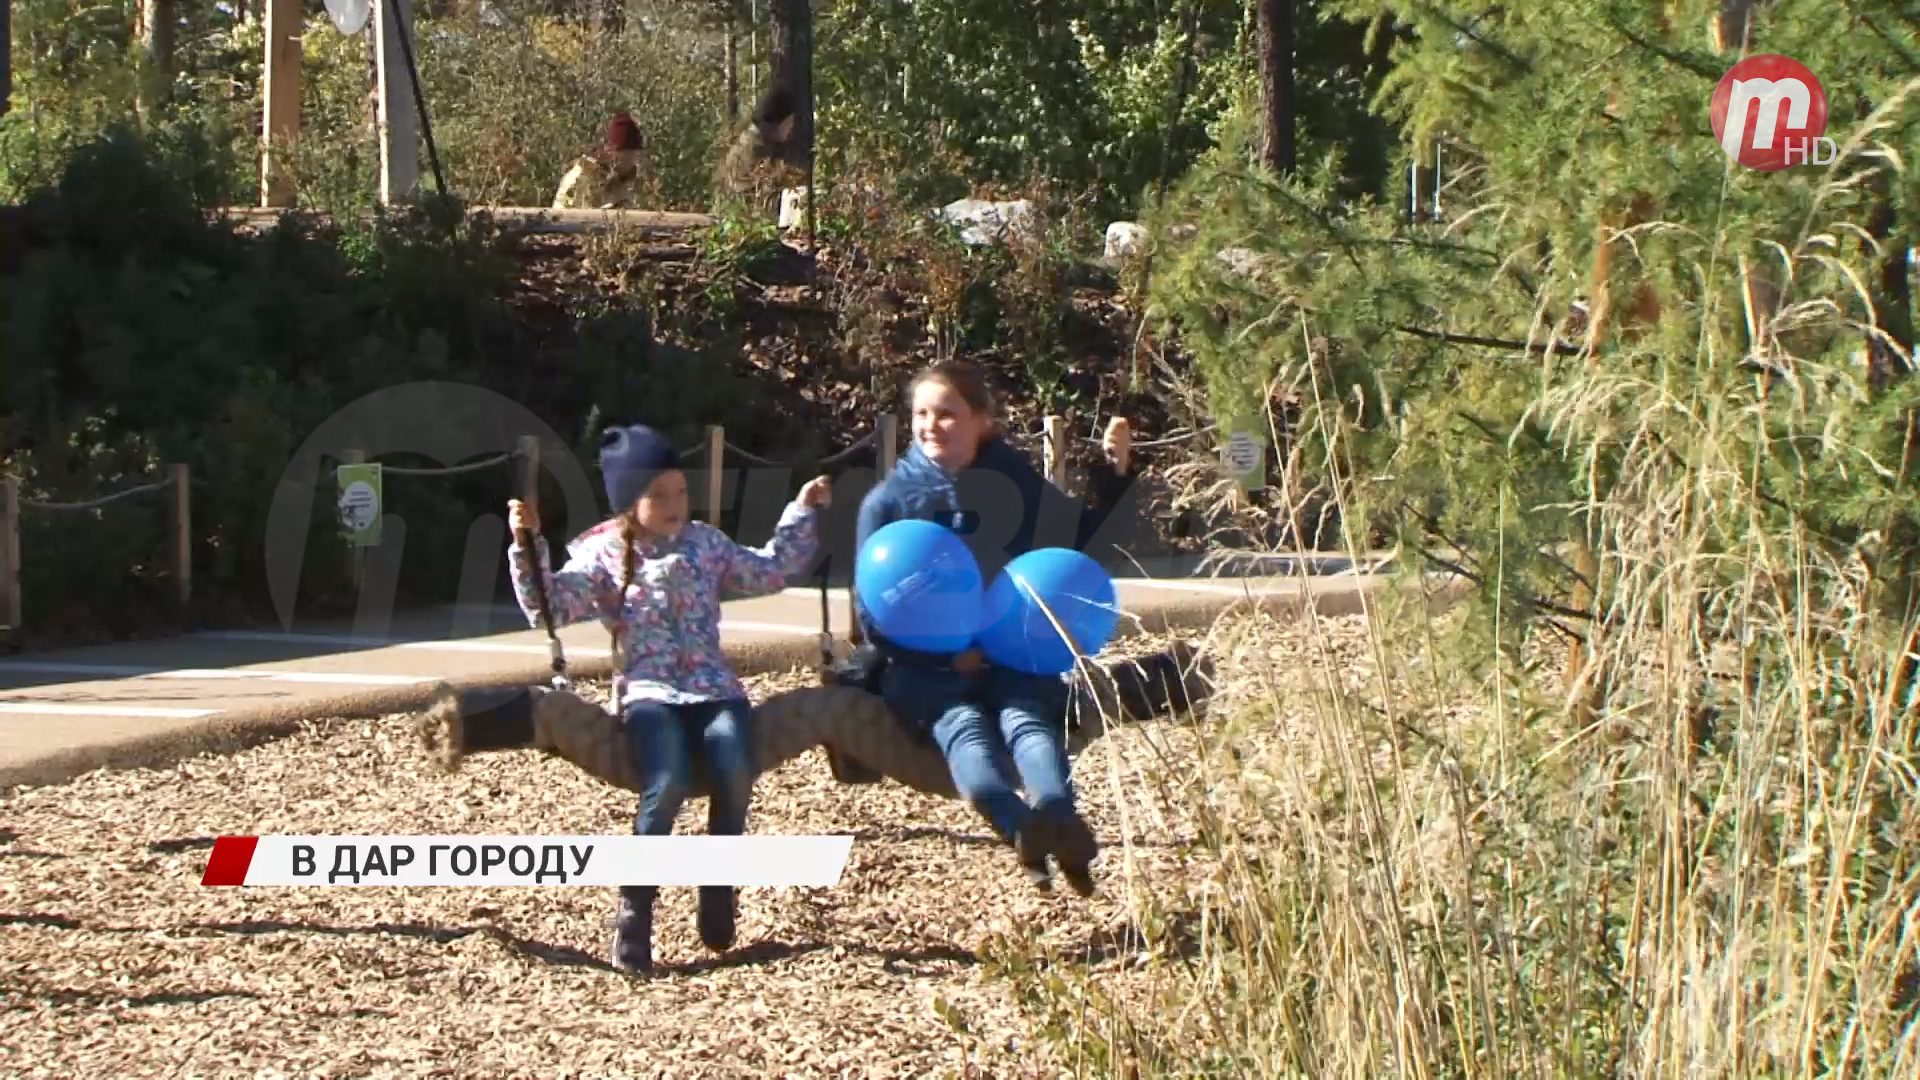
<point x="850" y="723"/>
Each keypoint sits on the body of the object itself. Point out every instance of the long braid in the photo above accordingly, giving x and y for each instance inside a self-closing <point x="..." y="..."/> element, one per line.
<point x="628" y="531"/>
<point x="628" y="535"/>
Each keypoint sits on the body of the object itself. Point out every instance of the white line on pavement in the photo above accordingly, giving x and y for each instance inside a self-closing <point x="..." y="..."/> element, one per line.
<point x="58" y="709"/>
<point x="474" y="646"/>
<point x="125" y="671"/>
<point x="61" y="667"/>
<point x="768" y="627"/>
<point x="814" y="592"/>
<point x="1191" y="586"/>
<point x="1122" y="583"/>
<point x="337" y="677"/>
<point x="292" y="638"/>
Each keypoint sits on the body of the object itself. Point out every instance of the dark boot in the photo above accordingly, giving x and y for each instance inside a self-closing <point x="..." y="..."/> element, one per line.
<point x="718" y="904"/>
<point x="496" y="718"/>
<point x="1039" y="874"/>
<point x="633" y="929"/>
<point x="1057" y="829"/>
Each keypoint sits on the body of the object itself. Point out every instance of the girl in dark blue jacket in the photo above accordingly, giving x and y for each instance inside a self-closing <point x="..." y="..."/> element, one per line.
<point x="960" y="473"/>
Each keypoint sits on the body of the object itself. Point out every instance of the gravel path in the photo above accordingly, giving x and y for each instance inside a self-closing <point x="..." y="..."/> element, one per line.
<point x="115" y="962"/>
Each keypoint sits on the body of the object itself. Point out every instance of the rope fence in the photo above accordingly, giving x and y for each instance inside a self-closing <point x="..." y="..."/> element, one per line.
<point x="178" y="481"/>
<point x="883" y="438"/>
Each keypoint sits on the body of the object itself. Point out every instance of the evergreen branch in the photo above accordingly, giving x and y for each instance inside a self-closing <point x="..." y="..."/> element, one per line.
<point x="1913" y="63"/>
<point x="1559" y="348"/>
<point x="1683" y="61"/>
<point x="1480" y="425"/>
<point x="1526" y="599"/>
<point x="1440" y="246"/>
<point x="1514" y="59"/>
<point x="1493" y="436"/>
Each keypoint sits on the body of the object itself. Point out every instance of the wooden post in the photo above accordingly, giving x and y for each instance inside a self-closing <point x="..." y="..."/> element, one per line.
<point x="178" y="476"/>
<point x="10" y="553"/>
<point x="281" y="124"/>
<point x="399" y="117"/>
<point x="358" y="560"/>
<point x="1586" y="683"/>
<point x="716" y="470"/>
<point x="1054" y="449"/>
<point x="889" y="437"/>
<point x="529" y="479"/>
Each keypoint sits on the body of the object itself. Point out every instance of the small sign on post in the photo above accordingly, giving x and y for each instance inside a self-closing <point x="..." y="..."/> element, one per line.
<point x="360" y="497"/>
<point x="1244" y="456"/>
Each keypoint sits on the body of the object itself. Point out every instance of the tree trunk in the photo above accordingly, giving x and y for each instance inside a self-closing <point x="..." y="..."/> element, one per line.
<point x="733" y="70"/>
<point x="792" y="62"/>
<point x="607" y="16"/>
<point x="6" y="57"/>
<point x="1730" y="26"/>
<point x="156" y="53"/>
<point x="1276" y="84"/>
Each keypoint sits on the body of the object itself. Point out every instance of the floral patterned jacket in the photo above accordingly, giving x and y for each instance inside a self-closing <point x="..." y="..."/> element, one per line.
<point x="668" y="623"/>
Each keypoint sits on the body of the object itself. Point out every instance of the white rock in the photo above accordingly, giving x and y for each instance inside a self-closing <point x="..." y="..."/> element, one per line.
<point x="1239" y="260"/>
<point x="1125" y="238"/>
<point x="793" y="208"/>
<point x="985" y="221"/>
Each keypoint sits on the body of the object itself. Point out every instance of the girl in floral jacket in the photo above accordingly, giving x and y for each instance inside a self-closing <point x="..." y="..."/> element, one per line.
<point x="658" y="579"/>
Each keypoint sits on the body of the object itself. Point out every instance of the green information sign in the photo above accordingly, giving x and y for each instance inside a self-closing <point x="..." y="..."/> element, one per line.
<point x="360" y="511"/>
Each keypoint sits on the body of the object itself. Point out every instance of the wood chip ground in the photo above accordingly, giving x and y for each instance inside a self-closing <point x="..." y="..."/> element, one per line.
<point x="115" y="962"/>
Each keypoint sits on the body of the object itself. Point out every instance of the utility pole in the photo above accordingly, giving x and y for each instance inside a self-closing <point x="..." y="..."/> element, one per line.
<point x="280" y="126"/>
<point x="399" y="117"/>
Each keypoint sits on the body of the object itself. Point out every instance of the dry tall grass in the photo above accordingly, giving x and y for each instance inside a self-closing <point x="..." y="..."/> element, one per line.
<point x="1429" y="864"/>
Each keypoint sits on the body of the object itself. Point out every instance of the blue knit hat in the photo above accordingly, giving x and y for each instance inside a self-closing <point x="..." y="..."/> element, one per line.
<point x="630" y="458"/>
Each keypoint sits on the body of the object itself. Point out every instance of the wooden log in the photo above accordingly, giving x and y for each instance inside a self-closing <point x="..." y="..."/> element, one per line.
<point x="840" y="719"/>
<point x="531" y="220"/>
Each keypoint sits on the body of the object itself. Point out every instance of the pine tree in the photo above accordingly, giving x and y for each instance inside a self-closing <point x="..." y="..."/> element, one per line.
<point x="1597" y="242"/>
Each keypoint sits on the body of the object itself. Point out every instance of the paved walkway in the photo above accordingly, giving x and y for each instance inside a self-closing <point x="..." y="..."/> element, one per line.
<point x="144" y="703"/>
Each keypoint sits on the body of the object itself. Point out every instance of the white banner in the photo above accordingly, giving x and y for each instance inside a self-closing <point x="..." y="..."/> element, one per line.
<point x="809" y="861"/>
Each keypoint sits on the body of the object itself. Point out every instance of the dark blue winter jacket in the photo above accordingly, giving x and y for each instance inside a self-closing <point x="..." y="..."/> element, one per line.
<point x="1001" y="506"/>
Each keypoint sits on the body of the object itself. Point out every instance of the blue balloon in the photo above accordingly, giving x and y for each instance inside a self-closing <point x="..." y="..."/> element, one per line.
<point x="921" y="585"/>
<point x="1078" y="592"/>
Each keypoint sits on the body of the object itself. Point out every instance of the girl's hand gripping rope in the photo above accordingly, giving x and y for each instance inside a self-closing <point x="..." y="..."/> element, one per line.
<point x="818" y="493"/>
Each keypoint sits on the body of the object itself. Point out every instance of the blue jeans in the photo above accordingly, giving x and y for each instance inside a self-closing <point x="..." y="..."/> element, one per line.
<point x="985" y="723"/>
<point x="663" y="738"/>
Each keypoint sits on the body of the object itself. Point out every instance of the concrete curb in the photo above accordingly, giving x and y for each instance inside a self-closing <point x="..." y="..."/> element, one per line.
<point x="241" y="729"/>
